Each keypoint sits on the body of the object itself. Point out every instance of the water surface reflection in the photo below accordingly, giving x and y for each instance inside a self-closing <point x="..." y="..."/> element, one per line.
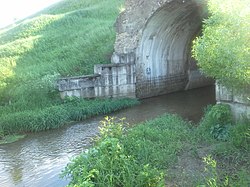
<point x="37" y="160"/>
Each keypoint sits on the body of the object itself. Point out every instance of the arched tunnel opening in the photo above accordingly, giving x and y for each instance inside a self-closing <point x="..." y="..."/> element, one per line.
<point x="164" y="63"/>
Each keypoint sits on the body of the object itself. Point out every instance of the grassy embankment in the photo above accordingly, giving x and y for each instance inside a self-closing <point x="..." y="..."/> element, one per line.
<point x="66" y="39"/>
<point x="167" y="151"/>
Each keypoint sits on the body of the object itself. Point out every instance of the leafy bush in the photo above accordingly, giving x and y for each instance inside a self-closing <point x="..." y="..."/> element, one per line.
<point x="219" y="132"/>
<point x="216" y="122"/>
<point x="108" y="164"/>
<point x="222" y="51"/>
<point x="119" y="153"/>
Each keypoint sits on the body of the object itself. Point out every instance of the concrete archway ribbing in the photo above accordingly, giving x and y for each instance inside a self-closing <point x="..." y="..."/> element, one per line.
<point x="164" y="50"/>
<point x="151" y="53"/>
<point x="167" y="36"/>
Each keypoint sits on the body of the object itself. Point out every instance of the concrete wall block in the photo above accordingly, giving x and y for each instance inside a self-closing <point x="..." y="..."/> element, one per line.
<point x="62" y="85"/>
<point x="223" y="94"/>
<point x="241" y="99"/>
<point x="73" y="84"/>
<point x="196" y="80"/>
<point x="122" y="79"/>
<point x="199" y="83"/>
<point x="115" y="91"/>
<point x="85" y="83"/>
<point x="239" y="111"/>
<point x="106" y="80"/>
<point x="124" y="91"/>
<point x="160" y="85"/>
<point x="72" y="93"/>
<point x="128" y="88"/>
<point x="88" y="92"/>
<point x="98" y="69"/>
<point x="127" y="57"/>
<point x="106" y="91"/>
<point x="239" y="104"/>
<point x="98" y="91"/>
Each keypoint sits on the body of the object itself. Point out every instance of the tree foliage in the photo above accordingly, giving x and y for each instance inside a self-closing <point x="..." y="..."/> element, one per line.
<point x="223" y="50"/>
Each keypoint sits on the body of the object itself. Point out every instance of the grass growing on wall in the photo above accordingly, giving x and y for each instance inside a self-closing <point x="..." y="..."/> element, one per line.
<point x="66" y="39"/>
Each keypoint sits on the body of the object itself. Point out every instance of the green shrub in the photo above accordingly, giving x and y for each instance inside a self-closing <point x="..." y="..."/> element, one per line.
<point x="139" y="156"/>
<point x="219" y="51"/>
<point x="108" y="164"/>
<point x="216" y="122"/>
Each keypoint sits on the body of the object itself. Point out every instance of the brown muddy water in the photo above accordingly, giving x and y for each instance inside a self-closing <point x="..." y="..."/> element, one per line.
<point x="38" y="159"/>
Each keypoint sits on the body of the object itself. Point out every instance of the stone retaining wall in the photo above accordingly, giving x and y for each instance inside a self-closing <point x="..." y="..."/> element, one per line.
<point x="110" y="80"/>
<point x="239" y="104"/>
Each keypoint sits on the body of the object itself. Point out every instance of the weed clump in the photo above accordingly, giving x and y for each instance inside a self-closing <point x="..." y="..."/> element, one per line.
<point x="217" y="121"/>
<point x="109" y="164"/>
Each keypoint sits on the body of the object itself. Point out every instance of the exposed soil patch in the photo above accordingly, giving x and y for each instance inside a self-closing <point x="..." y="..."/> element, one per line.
<point x="189" y="168"/>
<point x="190" y="171"/>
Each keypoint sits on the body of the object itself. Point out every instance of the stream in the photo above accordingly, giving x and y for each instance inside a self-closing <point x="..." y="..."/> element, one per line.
<point x="38" y="159"/>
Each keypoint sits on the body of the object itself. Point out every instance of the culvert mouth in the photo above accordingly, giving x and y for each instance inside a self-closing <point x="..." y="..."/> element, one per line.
<point x="164" y="62"/>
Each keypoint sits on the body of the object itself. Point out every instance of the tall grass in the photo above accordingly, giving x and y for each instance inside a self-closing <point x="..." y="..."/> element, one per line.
<point x="109" y="163"/>
<point x="56" y="116"/>
<point x="66" y="39"/>
<point x="130" y="157"/>
<point x="140" y="155"/>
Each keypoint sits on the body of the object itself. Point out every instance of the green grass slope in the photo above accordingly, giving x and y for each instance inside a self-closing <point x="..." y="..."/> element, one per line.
<point x="66" y="39"/>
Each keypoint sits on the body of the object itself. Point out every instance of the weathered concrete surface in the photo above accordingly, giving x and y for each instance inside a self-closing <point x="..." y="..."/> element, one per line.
<point x="152" y="52"/>
<point x="156" y="35"/>
<point x="111" y="80"/>
<point x="239" y="104"/>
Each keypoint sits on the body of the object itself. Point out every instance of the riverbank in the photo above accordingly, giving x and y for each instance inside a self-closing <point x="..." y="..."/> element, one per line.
<point x="72" y="109"/>
<point x="34" y="53"/>
<point x="167" y="151"/>
<point x="24" y="159"/>
<point x="11" y="138"/>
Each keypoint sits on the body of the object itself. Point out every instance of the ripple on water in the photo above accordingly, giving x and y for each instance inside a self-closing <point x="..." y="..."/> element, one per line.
<point x="38" y="159"/>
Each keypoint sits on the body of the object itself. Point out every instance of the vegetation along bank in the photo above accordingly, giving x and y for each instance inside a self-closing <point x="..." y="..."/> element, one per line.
<point x="66" y="39"/>
<point x="167" y="151"/>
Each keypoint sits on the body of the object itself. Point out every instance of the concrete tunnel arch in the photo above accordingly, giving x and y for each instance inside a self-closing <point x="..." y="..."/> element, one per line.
<point x="152" y="53"/>
<point x="164" y="63"/>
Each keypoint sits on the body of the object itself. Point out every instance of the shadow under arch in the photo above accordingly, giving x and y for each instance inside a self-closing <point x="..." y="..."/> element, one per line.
<point x="164" y="63"/>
